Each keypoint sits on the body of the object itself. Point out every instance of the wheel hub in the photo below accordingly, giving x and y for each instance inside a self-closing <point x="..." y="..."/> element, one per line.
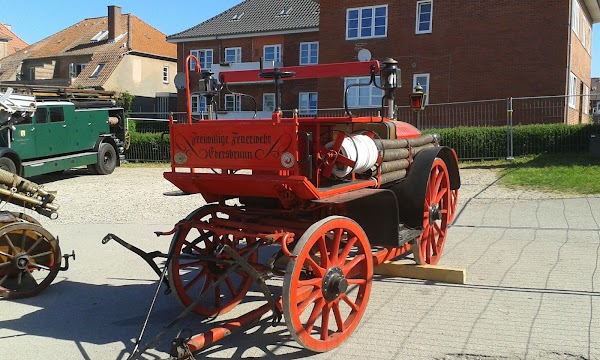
<point x="434" y="213"/>
<point x="334" y="283"/>
<point x="21" y="261"/>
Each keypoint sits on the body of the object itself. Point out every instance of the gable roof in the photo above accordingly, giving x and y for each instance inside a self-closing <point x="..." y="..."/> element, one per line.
<point x="255" y="16"/>
<point x="136" y="37"/>
<point x="15" y="43"/>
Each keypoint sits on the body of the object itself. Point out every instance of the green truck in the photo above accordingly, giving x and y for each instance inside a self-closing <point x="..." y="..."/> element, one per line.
<point x="66" y="129"/>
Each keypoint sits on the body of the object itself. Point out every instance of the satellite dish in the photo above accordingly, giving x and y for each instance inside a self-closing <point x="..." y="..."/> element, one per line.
<point x="364" y="55"/>
<point x="180" y="81"/>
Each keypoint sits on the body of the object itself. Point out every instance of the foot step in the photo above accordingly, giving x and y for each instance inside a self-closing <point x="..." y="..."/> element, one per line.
<point x="407" y="234"/>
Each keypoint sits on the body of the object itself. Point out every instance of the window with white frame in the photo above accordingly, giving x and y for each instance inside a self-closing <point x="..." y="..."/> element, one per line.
<point x="204" y="56"/>
<point x="423" y="80"/>
<point x="233" y="102"/>
<point x="586" y="99"/>
<point x="307" y="103"/>
<point x="75" y="69"/>
<point x="575" y="17"/>
<point x="165" y="74"/>
<point x="362" y="96"/>
<point x="98" y="70"/>
<point x="424" y="17"/>
<point x="269" y="102"/>
<point x="366" y="22"/>
<point x="309" y="53"/>
<point x="572" y="90"/>
<point x="271" y="53"/>
<point x="198" y="104"/>
<point x="233" y="55"/>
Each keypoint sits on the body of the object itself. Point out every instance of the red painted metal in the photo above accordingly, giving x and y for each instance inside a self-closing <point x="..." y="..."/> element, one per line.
<point x="187" y="83"/>
<point x="306" y="72"/>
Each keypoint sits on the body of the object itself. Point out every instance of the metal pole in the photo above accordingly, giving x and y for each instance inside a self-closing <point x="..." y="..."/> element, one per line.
<point x="509" y="123"/>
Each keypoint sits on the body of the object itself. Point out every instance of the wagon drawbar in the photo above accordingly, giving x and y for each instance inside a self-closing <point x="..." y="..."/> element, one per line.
<point x="321" y="202"/>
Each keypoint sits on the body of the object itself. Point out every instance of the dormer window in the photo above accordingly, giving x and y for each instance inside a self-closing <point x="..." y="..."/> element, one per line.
<point x="100" y="35"/>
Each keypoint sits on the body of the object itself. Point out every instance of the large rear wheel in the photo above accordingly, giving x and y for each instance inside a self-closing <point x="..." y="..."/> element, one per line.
<point x="327" y="283"/>
<point x="428" y="248"/>
<point x="193" y="267"/>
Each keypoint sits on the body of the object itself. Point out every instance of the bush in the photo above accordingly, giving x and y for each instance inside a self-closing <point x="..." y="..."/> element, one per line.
<point x="492" y="142"/>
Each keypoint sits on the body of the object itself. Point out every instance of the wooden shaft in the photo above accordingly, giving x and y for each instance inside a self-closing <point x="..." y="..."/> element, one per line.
<point x="395" y="165"/>
<point x="392" y="176"/>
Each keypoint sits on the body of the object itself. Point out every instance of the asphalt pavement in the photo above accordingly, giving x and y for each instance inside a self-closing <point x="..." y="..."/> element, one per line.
<point x="532" y="292"/>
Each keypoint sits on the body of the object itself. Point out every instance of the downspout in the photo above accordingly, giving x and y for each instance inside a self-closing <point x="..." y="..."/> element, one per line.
<point x="569" y="62"/>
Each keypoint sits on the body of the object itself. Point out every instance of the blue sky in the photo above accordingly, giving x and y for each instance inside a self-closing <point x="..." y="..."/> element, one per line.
<point x="33" y="20"/>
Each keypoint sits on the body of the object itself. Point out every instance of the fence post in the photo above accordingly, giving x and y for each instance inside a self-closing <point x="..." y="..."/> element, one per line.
<point x="509" y="125"/>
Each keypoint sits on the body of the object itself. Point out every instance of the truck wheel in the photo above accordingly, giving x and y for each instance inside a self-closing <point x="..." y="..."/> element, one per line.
<point x="8" y="165"/>
<point x="107" y="159"/>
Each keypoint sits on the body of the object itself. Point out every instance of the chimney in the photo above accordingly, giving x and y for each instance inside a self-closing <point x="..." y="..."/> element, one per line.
<point x="114" y="22"/>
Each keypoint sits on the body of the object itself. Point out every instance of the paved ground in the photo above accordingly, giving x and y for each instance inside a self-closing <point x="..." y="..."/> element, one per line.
<point x="532" y="292"/>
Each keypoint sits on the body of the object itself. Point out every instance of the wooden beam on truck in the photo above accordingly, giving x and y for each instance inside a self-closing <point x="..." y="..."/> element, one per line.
<point x="428" y="272"/>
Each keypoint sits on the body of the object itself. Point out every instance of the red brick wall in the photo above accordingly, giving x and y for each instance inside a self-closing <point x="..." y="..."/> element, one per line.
<point x="477" y="49"/>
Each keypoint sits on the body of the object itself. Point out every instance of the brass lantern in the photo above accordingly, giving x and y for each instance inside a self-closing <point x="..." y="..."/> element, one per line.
<point x="417" y="99"/>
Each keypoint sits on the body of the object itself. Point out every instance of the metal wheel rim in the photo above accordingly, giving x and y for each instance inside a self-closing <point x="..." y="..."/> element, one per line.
<point x="430" y="244"/>
<point x="225" y="296"/>
<point x="42" y="257"/>
<point x="300" y="295"/>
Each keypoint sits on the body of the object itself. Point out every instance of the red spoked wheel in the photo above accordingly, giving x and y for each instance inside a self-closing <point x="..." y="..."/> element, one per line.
<point x="453" y="202"/>
<point x="429" y="246"/>
<point x="29" y="260"/>
<point x="327" y="283"/>
<point x="192" y="269"/>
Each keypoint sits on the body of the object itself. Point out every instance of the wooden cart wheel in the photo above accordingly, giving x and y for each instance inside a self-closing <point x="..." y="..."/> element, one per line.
<point x="453" y="202"/>
<point x="327" y="283"/>
<point x="29" y="260"/>
<point x="429" y="245"/>
<point x="190" y="275"/>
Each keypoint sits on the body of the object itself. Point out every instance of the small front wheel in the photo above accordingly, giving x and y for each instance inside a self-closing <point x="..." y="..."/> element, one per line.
<point x="8" y="165"/>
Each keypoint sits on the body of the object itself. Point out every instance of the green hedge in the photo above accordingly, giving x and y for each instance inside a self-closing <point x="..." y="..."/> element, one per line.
<point x="469" y="142"/>
<point x="491" y="142"/>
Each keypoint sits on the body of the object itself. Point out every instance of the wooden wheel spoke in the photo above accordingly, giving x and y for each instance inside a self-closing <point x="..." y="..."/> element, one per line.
<point x="7" y="255"/>
<point x="3" y="279"/>
<point x="196" y="278"/>
<point x="338" y="316"/>
<point x="325" y="322"/>
<point x="314" y="315"/>
<point x="319" y="271"/>
<point x="23" y="237"/>
<point x="347" y="268"/>
<point x="230" y="286"/>
<point x="438" y="181"/>
<point x="315" y="295"/>
<point x="206" y="285"/>
<point x="440" y="195"/>
<point x="37" y="242"/>
<point x="10" y="244"/>
<point x="350" y="303"/>
<point x="324" y="253"/>
<point x="41" y="254"/>
<point x="316" y="282"/>
<point x="196" y="263"/>
<point x="39" y="266"/>
<point x="359" y="282"/>
<point x="335" y="246"/>
<point x="348" y="248"/>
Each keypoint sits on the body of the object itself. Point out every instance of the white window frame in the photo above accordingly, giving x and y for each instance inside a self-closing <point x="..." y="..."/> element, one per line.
<point x="198" y="104"/>
<point x="575" y="17"/>
<point x="265" y="101"/>
<point x="372" y="25"/>
<point x="237" y="55"/>
<point x="235" y="100"/>
<point x="309" y="53"/>
<point x="165" y="76"/>
<point x="425" y="86"/>
<point x="374" y="94"/>
<point x="572" y="90"/>
<point x="276" y="54"/>
<point x="418" y="17"/>
<point x="304" y="103"/>
<point x="75" y="69"/>
<point x="98" y="70"/>
<point x="203" y="56"/>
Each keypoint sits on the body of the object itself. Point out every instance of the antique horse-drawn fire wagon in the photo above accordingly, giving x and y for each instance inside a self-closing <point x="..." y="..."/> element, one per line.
<point x="320" y="202"/>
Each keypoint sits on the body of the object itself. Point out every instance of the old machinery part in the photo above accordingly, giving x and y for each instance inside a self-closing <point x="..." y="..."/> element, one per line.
<point x="428" y="247"/>
<point x="359" y="149"/>
<point x="29" y="259"/>
<point x="332" y="262"/>
<point x="22" y="192"/>
<point x="194" y="267"/>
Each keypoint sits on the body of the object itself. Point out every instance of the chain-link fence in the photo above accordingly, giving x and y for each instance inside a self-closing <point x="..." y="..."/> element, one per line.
<point x="504" y="115"/>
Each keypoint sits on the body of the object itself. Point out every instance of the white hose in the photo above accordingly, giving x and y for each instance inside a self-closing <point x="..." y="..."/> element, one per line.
<point x="359" y="148"/>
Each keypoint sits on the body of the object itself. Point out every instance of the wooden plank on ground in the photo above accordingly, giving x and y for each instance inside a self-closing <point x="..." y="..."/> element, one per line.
<point x="429" y="272"/>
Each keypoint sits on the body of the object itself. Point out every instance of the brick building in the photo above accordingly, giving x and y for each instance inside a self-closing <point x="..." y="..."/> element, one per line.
<point x="458" y="50"/>
<point x="10" y="43"/>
